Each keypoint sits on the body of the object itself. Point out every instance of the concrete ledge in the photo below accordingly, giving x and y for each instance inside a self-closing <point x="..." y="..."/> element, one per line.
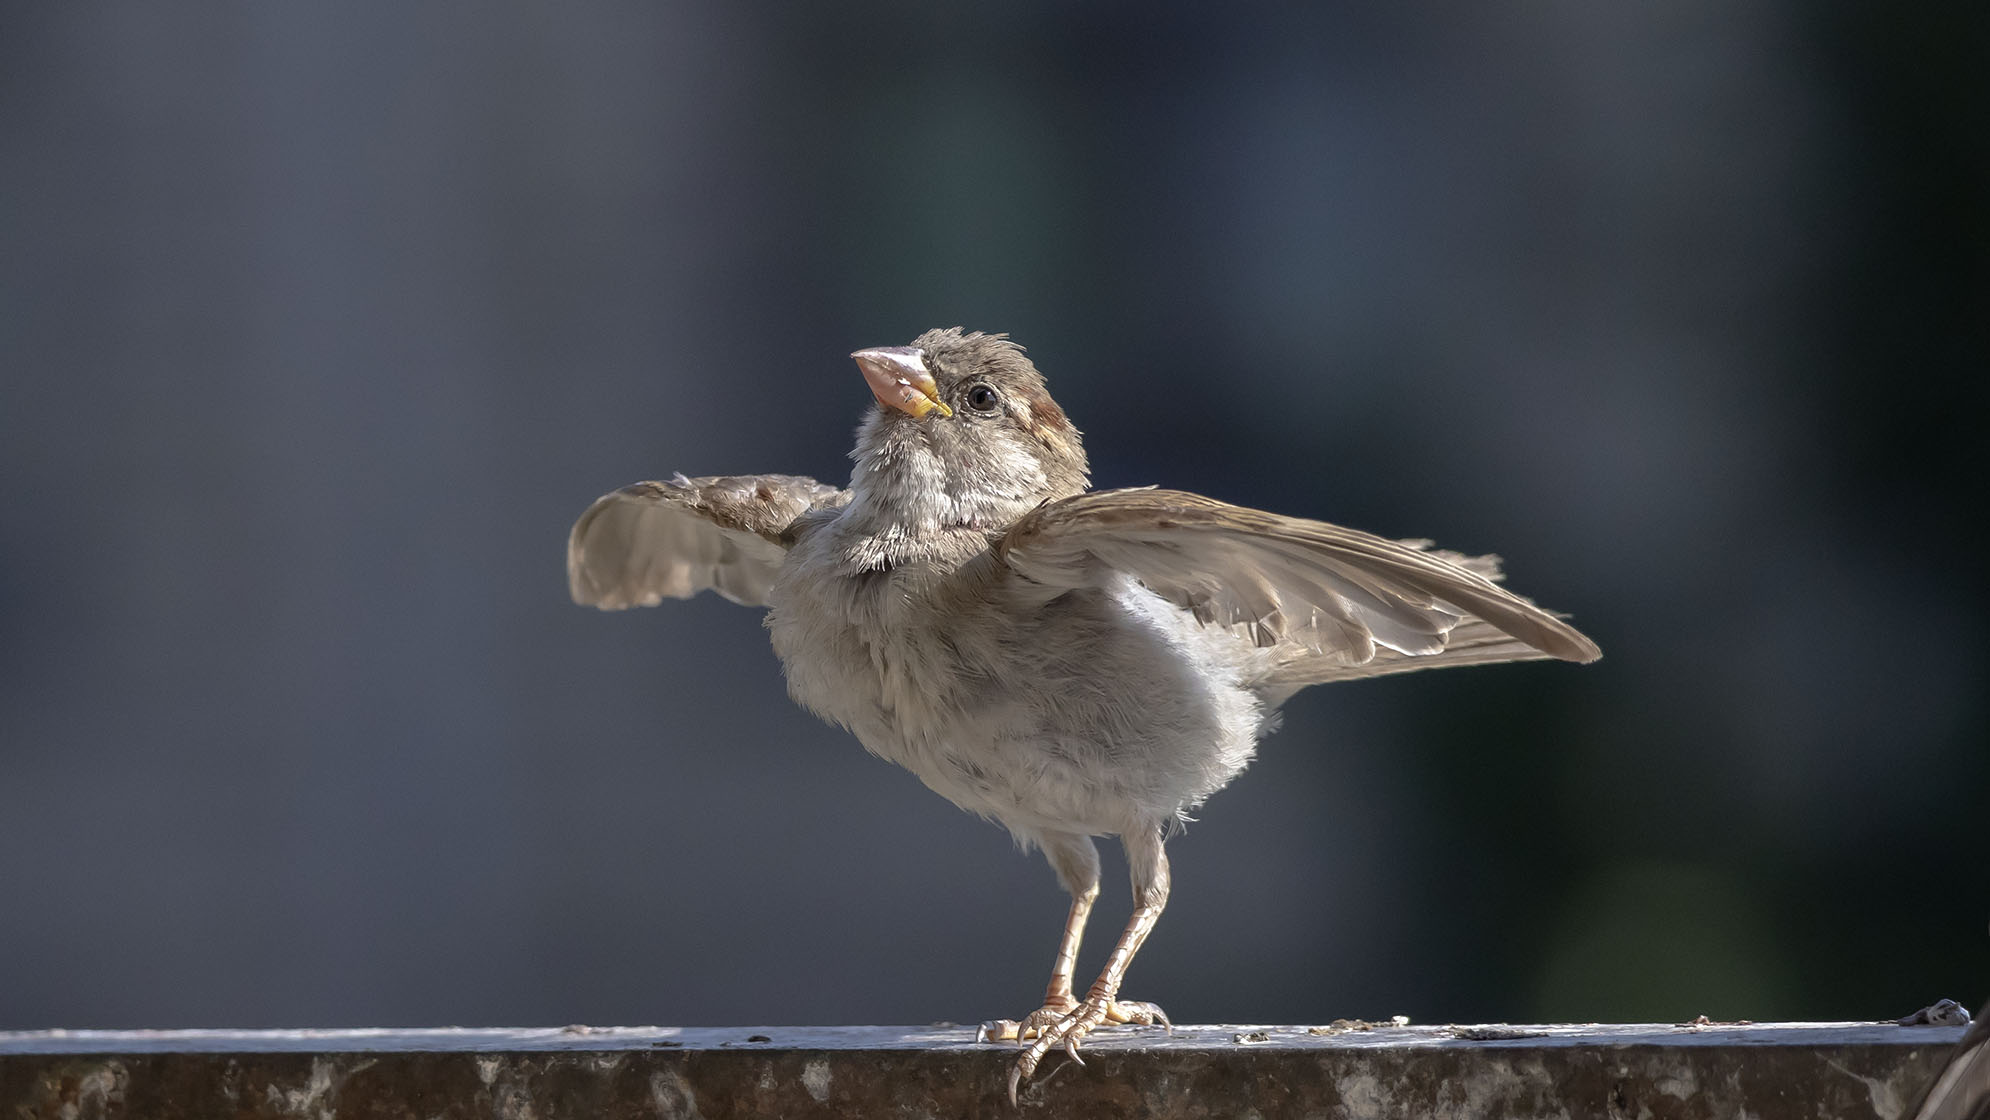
<point x="1767" y="1070"/>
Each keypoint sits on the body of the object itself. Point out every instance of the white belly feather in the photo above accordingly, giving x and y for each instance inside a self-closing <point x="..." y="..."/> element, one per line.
<point x="1095" y="713"/>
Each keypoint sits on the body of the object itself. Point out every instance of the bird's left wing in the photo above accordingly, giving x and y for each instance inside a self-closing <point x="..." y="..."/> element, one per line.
<point x="655" y="539"/>
<point x="1345" y="598"/>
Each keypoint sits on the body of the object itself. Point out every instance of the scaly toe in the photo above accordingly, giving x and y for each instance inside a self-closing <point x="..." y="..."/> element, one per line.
<point x="1066" y="1032"/>
<point x="1137" y="1012"/>
<point x="999" y="1030"/>
<point x="1031" y="1025"/>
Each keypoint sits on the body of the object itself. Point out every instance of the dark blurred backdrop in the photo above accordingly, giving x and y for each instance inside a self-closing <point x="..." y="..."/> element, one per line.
<point x="320" y="323"/>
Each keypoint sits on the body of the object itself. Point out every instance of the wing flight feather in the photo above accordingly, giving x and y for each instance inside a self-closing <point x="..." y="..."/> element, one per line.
<point x="655" y="540"/>
<point x="1351" y="603"/>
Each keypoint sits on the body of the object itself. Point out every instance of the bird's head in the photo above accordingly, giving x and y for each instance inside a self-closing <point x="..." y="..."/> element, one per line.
<point x="964" y="433"/>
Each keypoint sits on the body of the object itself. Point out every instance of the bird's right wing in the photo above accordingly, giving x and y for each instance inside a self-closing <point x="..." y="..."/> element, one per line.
<point x="634" y="547"/>
<point x="1337" y="602"/>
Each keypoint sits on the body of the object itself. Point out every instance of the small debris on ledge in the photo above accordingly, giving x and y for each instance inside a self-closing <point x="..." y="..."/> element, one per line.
<point x="1342" y="1026"/>
<point x="1941" y="1013"/>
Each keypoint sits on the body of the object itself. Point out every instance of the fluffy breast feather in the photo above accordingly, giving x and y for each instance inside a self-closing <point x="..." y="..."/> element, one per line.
<point x="1095" y="712"/>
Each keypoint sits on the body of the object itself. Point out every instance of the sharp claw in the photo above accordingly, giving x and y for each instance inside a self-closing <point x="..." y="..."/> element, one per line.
<point x="1065" y="1031"/>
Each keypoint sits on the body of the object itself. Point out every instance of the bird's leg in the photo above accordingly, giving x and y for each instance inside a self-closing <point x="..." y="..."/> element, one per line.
<point x="1058" y="994"/>
<point x="1149" y="862"/>
<point x="1057" y="998"/>
<point x="1076" y="861"/>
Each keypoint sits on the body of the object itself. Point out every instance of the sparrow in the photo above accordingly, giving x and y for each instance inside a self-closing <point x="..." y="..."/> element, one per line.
<point x="1069" y="663"/>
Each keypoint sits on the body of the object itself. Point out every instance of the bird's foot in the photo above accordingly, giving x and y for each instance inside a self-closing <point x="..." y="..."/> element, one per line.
<point x="1064" y="1023"/>
<point x="1051" y="1013"/>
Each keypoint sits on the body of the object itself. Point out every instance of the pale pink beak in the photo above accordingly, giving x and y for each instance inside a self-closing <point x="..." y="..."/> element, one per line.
<point x="898" y="379"/>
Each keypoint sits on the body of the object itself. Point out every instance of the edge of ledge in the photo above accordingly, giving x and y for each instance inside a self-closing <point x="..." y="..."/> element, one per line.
<point x="947" y="1036"/>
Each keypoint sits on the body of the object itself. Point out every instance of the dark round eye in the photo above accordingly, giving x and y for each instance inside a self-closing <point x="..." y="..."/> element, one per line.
<point x="983" y="398"/>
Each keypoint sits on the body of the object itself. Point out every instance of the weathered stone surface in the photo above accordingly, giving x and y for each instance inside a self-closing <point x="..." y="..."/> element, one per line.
<point x="1761" y="1070"/>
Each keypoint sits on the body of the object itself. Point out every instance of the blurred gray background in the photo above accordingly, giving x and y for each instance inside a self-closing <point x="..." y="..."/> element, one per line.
<point x="321" y="323"/>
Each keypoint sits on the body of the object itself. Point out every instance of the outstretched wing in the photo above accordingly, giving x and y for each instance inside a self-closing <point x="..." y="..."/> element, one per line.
<point x="655" y="539"/>
<point x="1340" y="603"/>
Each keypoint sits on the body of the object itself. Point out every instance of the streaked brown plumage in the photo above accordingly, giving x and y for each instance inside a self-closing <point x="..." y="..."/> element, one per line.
<point x="1072" y="664"/>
